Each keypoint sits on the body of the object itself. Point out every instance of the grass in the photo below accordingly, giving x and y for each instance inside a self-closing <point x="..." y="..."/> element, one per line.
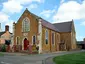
<point x="76" y="58"/>
<point x="1" y="54"/>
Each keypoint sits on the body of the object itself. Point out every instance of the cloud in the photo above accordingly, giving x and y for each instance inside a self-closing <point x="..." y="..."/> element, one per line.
<point x="47" y="13"/>
<point x="70" y="10"/>
<point x="83" y="23"/>
<point x="62" y="1"/>
<point x="15" y="6"/>
<point x="40" y="1"/>
<point x="80" y="38"/>
<point x="12" y="7"/>
<point x="3" y="17"/>
<point x="24" y="2"/>
<point x="32" y="6"/>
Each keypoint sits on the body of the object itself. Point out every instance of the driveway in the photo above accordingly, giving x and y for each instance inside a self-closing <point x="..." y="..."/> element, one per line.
<point x="30" y="59"/>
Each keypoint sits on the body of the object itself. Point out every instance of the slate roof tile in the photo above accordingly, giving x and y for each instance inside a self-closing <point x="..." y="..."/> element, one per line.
<point x="64" y="26"/>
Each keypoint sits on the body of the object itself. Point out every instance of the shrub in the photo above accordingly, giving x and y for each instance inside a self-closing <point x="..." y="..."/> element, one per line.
<point x="3" y="49"/>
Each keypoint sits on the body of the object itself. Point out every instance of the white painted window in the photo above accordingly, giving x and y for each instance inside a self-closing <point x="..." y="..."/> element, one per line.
<point x="17" y="40"/>
<point x="53" y="38"/>
<point x="34" y="39"/>
<point x="46" y="36"/>
<point x="26" y="25"/>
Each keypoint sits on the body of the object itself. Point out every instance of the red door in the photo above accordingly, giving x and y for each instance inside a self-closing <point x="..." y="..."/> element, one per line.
<point x="26" y="43"/>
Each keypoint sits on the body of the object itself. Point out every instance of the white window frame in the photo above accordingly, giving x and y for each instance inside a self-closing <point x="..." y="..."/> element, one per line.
<point x="53" y="39"/>
<point x="18" y="40"/>
<point x="24" y="26"/>
<point x="32" y="39"/>
<point x="46" y="36"/>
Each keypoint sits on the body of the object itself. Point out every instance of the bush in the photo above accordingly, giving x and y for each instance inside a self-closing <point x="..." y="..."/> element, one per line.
<point x="3" y="49"/>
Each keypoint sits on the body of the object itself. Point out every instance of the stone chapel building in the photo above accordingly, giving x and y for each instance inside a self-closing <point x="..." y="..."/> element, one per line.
<point x="33" y="30"/>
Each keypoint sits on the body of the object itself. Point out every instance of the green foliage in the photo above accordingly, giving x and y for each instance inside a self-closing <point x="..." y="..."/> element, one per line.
<point x="3" y="49"/>
<point x="77" y="58"/>
<point x="1" y="54"/>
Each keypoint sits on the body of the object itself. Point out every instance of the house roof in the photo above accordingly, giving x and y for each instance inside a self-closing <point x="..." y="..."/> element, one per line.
<point x="1" y="33"/>
<point x="64" y="26"/>
<point x="80" y="42"/>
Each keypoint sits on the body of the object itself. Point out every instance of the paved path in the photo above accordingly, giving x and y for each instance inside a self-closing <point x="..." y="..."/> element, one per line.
<point x="30" y="59"/>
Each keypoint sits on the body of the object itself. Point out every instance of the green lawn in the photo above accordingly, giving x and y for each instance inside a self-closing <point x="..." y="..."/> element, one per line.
<point x="77" y="58"/>
<point x="1" y="54"/>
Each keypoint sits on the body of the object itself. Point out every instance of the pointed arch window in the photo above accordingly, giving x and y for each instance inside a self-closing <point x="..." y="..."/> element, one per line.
<point x="34" y="39"/>
<point x="46" y="36"/>
<point x="26" y="25"/>
<point x="17" y="40"/>
<point x="53" y="38"/>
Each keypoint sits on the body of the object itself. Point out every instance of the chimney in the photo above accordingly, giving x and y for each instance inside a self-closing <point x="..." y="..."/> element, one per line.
<point x="6" y="28"/>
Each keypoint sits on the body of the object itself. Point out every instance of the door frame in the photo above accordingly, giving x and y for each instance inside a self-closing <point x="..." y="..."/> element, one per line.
<point x="23" y="42"/>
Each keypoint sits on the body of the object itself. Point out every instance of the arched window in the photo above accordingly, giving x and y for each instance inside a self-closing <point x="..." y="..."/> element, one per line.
<point x="17" y="41"/>
<point x="26" y="25"/>
<point x="53" y="38"/>
<point x="46" y="36"/>
<point x="34" y="39"/>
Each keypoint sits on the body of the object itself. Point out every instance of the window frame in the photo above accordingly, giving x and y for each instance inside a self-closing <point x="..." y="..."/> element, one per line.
<point x="46" y="38"/>
<point x="18" y="40"/>
<point x="33" y="39"/>
<point x="52" y="38"/>
<point x="25" y="24"/>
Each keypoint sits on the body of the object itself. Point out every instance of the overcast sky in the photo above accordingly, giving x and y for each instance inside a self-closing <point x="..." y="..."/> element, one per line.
<point x="53" y="11"/>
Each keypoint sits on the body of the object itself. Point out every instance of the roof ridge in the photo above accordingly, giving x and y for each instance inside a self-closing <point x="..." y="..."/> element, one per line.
<point x="37" y="17"/>
<point x="63" y="22"/>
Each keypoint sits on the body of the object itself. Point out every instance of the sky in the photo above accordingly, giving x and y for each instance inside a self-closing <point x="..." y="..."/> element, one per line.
<point x="54" y="11"/>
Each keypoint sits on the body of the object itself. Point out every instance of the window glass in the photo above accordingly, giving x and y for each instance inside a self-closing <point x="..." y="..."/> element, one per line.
<point x="17" y="40"/>
<point x="25" y="25"/>
<point x="46" y="36"/>
<point x="34" y="39"/>
<point x="53" y="38"/>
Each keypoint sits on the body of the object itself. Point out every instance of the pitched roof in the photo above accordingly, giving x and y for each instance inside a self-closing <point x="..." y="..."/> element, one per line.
<point x="1" y="33"/>
<point x="49" y="25"/>
<point x="64" y="26"/>
<point x="45" y="23"/>
<point x="59" y="27"/>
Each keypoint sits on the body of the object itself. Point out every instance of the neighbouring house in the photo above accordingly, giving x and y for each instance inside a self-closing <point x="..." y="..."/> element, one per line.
<point x="81" y="44"/>
<point x="5" y="37"/>
<point x="32" y="32"/>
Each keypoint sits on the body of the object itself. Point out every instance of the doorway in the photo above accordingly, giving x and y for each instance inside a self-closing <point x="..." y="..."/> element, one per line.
<point x="26" y="43"/>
